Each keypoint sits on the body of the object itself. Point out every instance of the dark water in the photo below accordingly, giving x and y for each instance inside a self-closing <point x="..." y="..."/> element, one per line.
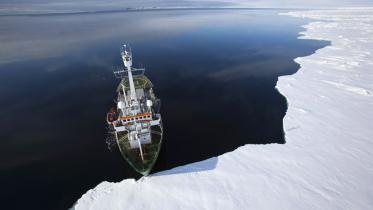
<point x="214" y="70"/>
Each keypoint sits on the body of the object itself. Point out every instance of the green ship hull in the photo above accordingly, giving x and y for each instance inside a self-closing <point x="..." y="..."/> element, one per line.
<point x="144" y="160"/>
<point x="150" y="151"/>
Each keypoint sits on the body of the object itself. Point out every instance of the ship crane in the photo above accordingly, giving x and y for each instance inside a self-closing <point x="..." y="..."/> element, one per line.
<point x="138" y="141"/>
<point x="134" y="103"/>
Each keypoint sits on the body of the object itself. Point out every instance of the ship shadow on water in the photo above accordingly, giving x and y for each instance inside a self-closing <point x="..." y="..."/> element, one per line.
<point x="201" y="166"/>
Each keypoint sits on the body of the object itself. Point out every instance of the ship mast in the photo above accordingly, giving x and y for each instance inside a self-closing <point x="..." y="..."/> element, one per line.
<point x="127" y="60"/>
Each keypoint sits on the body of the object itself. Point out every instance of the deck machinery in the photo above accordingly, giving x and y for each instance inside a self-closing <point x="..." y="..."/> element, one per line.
<point x="136" y="120"/>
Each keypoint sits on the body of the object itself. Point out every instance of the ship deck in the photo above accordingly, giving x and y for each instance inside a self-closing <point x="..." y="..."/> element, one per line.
<point x="140" y="81"/>
<point x="150" y="151"/>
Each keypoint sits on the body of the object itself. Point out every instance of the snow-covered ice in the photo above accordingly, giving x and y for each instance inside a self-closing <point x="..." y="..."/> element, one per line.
<point x="327" y="161"/>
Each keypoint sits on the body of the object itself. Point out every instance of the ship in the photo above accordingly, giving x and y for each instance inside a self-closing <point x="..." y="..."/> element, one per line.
<point x="135" y="121"/>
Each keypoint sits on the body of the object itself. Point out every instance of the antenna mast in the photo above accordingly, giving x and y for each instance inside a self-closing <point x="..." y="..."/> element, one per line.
<point x="127" y="61"/>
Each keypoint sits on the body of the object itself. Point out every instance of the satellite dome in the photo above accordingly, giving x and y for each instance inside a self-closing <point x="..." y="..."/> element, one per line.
<point x="121" y="105"/>
<point x="149" y="103"/>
